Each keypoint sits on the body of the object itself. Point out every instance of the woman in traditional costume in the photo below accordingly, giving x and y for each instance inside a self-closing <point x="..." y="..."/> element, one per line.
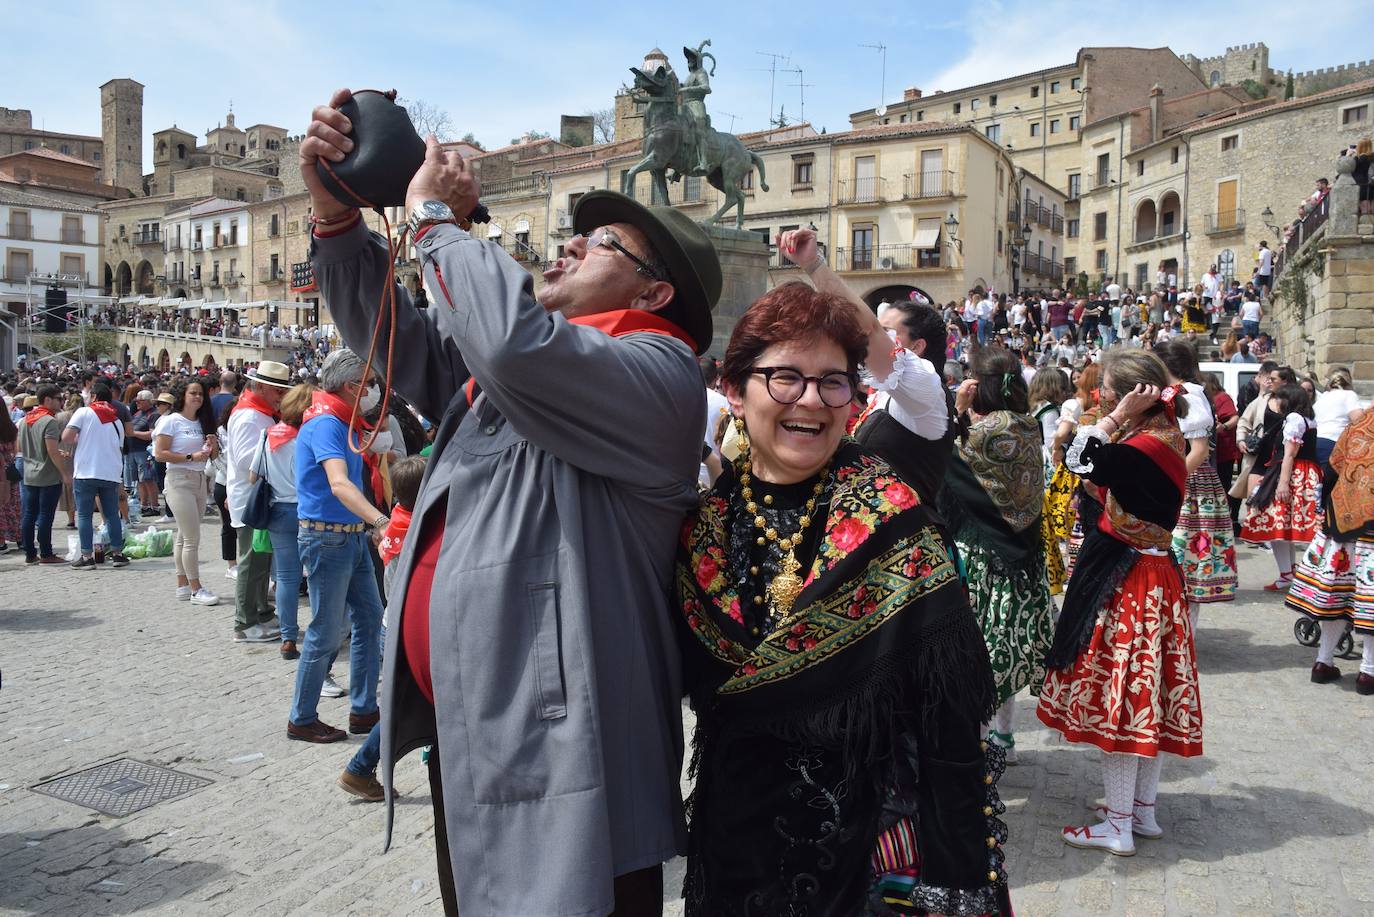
<point x="992" y="500"/>
<point x="1204" y="543"/>
<point x="1334" y="581"/>
<point x="1285" y="485"/>
<point x="838" y="677"/>
<point x="1085" y="503"/>
<point x="1122" y="669"/>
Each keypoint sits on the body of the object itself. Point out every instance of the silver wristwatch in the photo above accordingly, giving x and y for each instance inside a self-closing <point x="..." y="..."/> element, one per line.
<point x="427" y="212"/>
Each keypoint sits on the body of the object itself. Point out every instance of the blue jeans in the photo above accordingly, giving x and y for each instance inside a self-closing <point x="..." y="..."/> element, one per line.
<point x="39" y="506"/>
<point x="984" y="329"/>
<point x="86" y="491"/>
<point x="364" y="762"/>
<point x="341" y="580"/>
<point x="286" y="564"/>
<point x="1059" y="331"/>
<point x="1251" y="329"/>
<point x="136" y="467"/>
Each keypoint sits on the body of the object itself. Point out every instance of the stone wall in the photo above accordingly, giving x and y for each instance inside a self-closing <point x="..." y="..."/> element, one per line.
<point x="1325" y="298"/>
<point x="1310" y="82"/>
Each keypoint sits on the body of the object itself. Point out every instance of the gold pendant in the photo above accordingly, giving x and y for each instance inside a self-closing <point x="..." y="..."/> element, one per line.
<point x="786" y="586"/>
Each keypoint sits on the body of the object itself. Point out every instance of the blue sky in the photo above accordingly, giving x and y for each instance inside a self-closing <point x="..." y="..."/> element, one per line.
<point x="501" y="69"/>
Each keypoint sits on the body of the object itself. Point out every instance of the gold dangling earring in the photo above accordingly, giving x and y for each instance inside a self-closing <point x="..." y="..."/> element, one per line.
<point x="737" y="449"/>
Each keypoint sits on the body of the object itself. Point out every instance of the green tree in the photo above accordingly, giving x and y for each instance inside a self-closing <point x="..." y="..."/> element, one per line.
<point x="98" y="343"/>
<point x="1288" y="86"/>
<point x="1254" y="89"/>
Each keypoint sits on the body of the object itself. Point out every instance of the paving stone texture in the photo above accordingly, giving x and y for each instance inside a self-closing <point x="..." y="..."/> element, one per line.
<point x="1277" y="818"/>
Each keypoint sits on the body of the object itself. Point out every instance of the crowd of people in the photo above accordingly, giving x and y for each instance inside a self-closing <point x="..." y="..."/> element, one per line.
<point x="842" y="544"/>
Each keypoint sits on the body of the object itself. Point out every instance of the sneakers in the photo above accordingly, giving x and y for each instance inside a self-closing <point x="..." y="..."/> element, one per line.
<point x="86" y="562"/>
<point x="272" y="624"/>
<point x="184" y="593"/>
<point x="31" y="559"/>
<point x="51" y="559"/>
<point x="117" y="559"/>
<point x="360" y="724"/>
<point x="365" y="788"/>
<point x="318" y="732"/>
<point x="254" y="634"/>
<point x="1112" y="835"/>
<point x="203" y="596"/>
<point x="331" y="688"/>
<point x="232" y="572"/>
<point x="1143" y="822"/>
<point x="289" y="650"/>
<point x="1324" y="674"/>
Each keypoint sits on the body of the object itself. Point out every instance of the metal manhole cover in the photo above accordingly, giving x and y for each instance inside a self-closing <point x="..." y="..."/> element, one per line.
<point x="121" y="787"/>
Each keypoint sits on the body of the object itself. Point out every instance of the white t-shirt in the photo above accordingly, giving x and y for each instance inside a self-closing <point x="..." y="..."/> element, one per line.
<point x="1266" y="261"/>
<point x="1114" y="291"/>
<point x="1018" y="313"/>
<point x="280" y="468"/>
<point x="186" y="437"/>
<point x="1209" y="284"/>
<point x="1332" y="411"/>
<point x="99" y="447"/>
<point x="1250" y="311"/>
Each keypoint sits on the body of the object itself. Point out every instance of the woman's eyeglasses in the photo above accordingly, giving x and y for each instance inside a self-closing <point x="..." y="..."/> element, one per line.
<point x="787" y="385"/>
<point x="611" y="239"/>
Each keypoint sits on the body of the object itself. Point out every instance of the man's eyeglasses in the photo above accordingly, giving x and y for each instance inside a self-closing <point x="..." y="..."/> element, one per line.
<point x="608" y="237"/>
<point x="787" y="385"/>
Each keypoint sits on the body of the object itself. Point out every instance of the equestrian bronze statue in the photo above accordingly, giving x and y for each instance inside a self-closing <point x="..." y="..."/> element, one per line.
<point x="679" y="139"/>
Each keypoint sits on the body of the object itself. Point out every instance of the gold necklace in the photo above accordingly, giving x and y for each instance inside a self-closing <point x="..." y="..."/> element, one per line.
<point x="787" y="585"/>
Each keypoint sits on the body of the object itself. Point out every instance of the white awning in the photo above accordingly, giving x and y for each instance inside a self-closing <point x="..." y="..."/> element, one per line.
<point x="522" y="225"/>
<point x="927" y="234"/>
<point x="129" y="300"/>
<point x="171" y="302"/>
<point x="283" y="304"/>
<point x="493" y="230"/>
<point x="192" y="304"/>
<point x="149" y="301"/>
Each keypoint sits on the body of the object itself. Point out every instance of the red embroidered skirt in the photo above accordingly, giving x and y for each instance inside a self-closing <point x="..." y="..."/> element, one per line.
<point x="1134" y="689"/>
<point x="1297" y="519"/>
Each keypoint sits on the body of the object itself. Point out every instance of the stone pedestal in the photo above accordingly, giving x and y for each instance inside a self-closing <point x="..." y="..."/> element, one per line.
<point x="744" y="278"/>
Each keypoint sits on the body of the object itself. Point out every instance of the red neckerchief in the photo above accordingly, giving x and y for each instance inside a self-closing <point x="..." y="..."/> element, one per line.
<point x="280" y="434"/>
<point x="33" y="416"/>
<point x="620" y="322"/>
<point x="327" y="404"/>
<point x="249" y="401"/>
<point x="105" y="411"/>
<point x="395" y="534"/>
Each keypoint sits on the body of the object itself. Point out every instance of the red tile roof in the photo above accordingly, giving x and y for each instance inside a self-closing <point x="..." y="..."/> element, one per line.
<point x="1352" y="89"/>
<point x="46" y="153"/>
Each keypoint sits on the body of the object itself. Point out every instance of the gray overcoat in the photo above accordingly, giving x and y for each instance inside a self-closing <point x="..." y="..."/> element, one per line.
<point x="556" y="679"/>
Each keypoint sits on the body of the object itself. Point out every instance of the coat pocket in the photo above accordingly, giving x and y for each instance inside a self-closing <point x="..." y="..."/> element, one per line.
<point x="550" y="693"/>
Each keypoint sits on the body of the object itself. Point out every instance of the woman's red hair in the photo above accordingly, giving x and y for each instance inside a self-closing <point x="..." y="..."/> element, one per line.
<point x="792" y="313"/>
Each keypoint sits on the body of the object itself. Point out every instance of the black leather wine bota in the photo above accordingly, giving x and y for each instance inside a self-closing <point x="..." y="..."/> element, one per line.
<point x="386" y="154"/>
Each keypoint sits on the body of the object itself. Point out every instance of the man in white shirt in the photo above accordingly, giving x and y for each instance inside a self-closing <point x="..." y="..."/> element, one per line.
<point x="252" y="415"/>
<point x="1264" y="277"/>
<point x="96" y="435"/>
<point x="1113" y="291"/>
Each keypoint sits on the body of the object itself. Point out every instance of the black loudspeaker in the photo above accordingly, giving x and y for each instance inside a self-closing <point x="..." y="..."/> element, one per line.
<point x="55" y="314"/>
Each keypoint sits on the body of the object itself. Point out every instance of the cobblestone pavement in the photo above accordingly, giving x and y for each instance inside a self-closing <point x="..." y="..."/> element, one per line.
<point x="1276" y="818"/>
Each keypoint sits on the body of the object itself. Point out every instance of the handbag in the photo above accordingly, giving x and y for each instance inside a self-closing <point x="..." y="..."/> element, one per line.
<point x="13" y="473"/>
<point x="257" y="513"/>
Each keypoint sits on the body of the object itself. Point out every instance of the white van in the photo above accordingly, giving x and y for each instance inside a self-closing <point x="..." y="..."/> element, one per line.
<point x="1232" y="375"/>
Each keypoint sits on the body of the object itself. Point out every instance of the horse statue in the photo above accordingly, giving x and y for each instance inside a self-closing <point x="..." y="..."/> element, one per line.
<point x="676" y="139"/>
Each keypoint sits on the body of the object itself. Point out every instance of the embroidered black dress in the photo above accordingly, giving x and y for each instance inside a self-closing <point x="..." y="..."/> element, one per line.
<point x="852" y="719"/>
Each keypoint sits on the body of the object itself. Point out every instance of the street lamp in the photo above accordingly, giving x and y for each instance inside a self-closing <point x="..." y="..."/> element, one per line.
<point x="951" y="228"/>
<point x="1267" y="216"/>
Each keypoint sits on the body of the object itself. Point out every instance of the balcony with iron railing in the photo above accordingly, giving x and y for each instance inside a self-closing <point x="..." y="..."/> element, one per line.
<point x="1225" y="221"/>
<point x="926" y="185"/>
<point x="147" y="237"/>
<point x="194" y="282"/>
<point x="512" y="187"/>
<point x="1056" y="223"/>
<point x="1014" y="214"/>
<point x="1307" y="227"/>
<point x="902" y="257"/>
<point x="523" y="252"/>
<point x="861" y="191"/>
<point x="271" y="275"/>
<point x="19" y="231"/>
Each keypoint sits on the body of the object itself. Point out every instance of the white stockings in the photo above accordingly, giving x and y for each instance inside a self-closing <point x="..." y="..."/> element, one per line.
<point x="1283" y="556"/>
<point x="1331" y="632"/>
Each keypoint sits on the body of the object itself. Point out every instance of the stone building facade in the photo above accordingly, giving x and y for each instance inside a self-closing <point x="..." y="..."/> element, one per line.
<point x="121" y="129"/>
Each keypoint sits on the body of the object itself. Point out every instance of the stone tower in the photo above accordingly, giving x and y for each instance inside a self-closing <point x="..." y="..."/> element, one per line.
<point x="121" y="129"/>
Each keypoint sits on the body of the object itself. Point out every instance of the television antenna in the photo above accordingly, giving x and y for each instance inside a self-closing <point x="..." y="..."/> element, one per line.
<point x="772" y="69"/>
<point x="730" y="116"/>
<point x="802" y="86"/>
<point x="882" y="93"/>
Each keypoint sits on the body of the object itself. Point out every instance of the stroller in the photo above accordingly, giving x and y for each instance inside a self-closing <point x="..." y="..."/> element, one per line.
<point x="1307" y="631"/>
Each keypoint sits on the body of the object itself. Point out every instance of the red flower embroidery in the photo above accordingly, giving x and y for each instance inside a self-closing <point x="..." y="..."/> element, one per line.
<point x="792" y="644"/>
<point x="799" y="629"/>
<point x="899" y="495"/>
<point x="734" y="612"/>
<point x="706" y="572"/>
<point x="848" y="534"/>
<point x="750" y="669"/>
<point x="1341" y="562"/>
<point x="809" y="643"/>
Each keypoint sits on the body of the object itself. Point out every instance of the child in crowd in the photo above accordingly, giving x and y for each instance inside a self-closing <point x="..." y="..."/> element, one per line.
<point x="359" y="776"/>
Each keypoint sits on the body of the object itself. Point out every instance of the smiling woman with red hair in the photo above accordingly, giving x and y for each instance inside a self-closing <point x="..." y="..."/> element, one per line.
<point x="838" y="677"/>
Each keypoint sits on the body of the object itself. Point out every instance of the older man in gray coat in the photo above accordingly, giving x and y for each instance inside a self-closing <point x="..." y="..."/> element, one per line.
<point x="529" y="639"/>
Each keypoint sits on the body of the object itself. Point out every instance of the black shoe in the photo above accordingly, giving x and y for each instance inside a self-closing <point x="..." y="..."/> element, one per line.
<point x="117" y="559"/>
<point x="31" y="559"/>
<point x="84" y="563"/>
